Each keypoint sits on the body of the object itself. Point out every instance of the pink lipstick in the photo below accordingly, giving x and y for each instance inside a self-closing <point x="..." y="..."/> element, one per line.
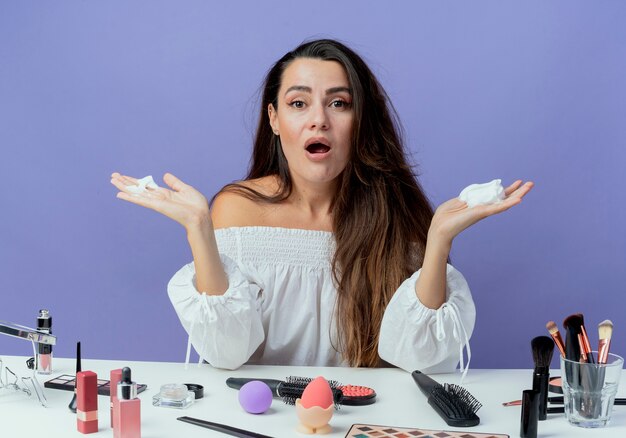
<point x="87" y="402"/>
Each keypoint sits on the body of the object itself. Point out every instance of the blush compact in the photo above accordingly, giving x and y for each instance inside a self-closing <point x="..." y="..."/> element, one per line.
<point x="555" y="385"/>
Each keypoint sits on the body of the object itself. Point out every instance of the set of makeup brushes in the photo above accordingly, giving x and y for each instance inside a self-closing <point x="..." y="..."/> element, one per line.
<point x="576" y="349"/>
<point x="584" y="373"/>
<point x="576" y="346"/>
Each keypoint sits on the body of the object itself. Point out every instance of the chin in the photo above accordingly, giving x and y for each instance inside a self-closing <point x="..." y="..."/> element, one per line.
<point x="323" y="177"/>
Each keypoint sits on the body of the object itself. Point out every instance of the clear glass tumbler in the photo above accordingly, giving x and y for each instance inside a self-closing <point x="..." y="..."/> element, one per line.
<point x="589" y="390"/>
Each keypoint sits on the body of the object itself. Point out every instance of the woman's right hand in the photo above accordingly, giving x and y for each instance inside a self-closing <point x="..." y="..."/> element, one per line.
<point x="182" y="203"/>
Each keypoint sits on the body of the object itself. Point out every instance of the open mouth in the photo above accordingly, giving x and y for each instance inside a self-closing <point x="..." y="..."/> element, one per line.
<point x="317" y="148"/>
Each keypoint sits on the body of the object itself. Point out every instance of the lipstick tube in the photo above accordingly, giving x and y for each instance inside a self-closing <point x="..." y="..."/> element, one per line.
<point x="87" y="402"/>
<point x="128" y="408"/>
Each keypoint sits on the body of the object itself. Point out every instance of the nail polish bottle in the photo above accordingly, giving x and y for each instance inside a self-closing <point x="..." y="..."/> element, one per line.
<point x="43" y="359"/>
<point x="87" y="402"/>
<point x="116" y="377"/>
<point x="128" y="412"/>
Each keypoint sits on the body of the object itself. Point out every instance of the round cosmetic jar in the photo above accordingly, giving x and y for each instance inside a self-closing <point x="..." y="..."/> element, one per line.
<point x="174" y="395"/>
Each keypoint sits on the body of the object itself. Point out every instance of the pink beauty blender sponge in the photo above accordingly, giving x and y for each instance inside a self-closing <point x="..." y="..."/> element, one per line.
<point x="316" y="407"/>
<point x="255" y="397"/>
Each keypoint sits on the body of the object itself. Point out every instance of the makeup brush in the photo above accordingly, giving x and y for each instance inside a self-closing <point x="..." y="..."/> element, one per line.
<point x="585" y="378"/>
<point x="583" y="349"/>
<point x="453" y="403"/>
<point x="587" y="346"/>
<point x="572" y="328"/>
<point x="575" y="325"/>
<point x="72" y="404"/>
<point x="605" y="331"/>
<point x="543" y="348"/>
<point x="572" y="348"/>
<point x="556" y="336"/>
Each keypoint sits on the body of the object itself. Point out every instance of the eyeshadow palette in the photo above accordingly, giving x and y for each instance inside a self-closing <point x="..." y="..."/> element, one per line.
<point x="374" y="431"/>
<point x="67" y="382"/>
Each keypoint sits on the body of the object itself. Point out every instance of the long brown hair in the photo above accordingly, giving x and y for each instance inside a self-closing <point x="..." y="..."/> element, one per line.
<point x="380" y="213"/>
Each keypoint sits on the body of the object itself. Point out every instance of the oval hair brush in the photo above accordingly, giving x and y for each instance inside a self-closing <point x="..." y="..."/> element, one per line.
<point x="453" y="403"/>
<point x="292" y="388"/>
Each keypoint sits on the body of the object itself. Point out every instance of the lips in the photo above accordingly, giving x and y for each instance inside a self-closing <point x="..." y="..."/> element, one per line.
<point x="317" y="145"/>
<point x="317" y="148"/>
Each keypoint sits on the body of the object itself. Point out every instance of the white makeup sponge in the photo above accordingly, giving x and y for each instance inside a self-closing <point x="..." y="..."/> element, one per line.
<point x="144" y="182"/>
<point x="488" y="193"/>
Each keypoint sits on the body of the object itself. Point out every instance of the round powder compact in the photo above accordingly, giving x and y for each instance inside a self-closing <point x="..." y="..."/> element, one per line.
<point x="556" y="385"/>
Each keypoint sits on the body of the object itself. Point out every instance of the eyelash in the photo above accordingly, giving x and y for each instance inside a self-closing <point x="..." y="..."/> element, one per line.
<point x="344" y="104"/>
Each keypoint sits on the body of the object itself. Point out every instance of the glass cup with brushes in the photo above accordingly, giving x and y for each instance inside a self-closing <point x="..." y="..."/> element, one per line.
<point x="590" y="378"/>
<point x="589" y="390"/>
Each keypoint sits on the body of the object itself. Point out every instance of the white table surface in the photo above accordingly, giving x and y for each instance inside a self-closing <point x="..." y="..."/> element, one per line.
<point x="399" y="402"/>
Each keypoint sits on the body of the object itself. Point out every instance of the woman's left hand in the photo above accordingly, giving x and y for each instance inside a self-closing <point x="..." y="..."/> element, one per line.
<point x="454" y="216"/>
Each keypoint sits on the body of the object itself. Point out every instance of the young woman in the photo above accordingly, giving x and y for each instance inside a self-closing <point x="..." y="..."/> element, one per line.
<point x="328" y="252"/>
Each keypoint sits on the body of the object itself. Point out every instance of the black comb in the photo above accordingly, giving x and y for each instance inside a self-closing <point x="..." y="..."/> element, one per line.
<point x="453" y="403"/>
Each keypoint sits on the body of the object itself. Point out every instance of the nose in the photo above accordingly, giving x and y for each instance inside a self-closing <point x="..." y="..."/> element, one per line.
<point x="319" y="118"/>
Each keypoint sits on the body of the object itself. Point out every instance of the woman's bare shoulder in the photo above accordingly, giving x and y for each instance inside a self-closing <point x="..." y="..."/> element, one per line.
<point x="231" y="208"/>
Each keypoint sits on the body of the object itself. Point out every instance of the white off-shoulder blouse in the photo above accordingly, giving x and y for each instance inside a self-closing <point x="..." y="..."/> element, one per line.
<point x="279" y="307"/>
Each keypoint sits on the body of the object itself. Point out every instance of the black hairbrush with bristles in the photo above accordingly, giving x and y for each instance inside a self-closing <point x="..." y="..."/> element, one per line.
<point x="292" y="388"/>
<point x="288" y="390"/>
<point x="453" y="403"/>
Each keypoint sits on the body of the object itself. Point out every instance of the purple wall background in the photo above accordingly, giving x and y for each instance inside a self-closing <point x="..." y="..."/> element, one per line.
<point x="532" y="90"/>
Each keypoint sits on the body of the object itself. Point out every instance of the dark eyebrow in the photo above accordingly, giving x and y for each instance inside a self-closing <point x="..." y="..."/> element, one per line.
<point x="339" y="90"/>
<point x="309" y="90"/>
<point x="299" y="88"/>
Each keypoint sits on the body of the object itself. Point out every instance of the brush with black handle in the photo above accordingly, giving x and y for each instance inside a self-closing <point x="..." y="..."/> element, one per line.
<point x="543" y="348"/>
<point x="583" y="377"/>
<point x="572" y="348"/>
<point x="453" y="403"/>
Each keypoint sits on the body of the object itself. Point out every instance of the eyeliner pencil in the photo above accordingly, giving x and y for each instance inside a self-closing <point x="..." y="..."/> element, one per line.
<point x="228" y="430"/>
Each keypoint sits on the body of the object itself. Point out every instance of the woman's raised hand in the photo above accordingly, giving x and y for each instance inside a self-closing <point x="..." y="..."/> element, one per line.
<point x="454" y="216"/>
<point x="182" y="203"/>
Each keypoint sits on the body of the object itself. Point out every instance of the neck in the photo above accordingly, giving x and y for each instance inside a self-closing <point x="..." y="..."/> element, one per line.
<point x="313" y="199"/>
